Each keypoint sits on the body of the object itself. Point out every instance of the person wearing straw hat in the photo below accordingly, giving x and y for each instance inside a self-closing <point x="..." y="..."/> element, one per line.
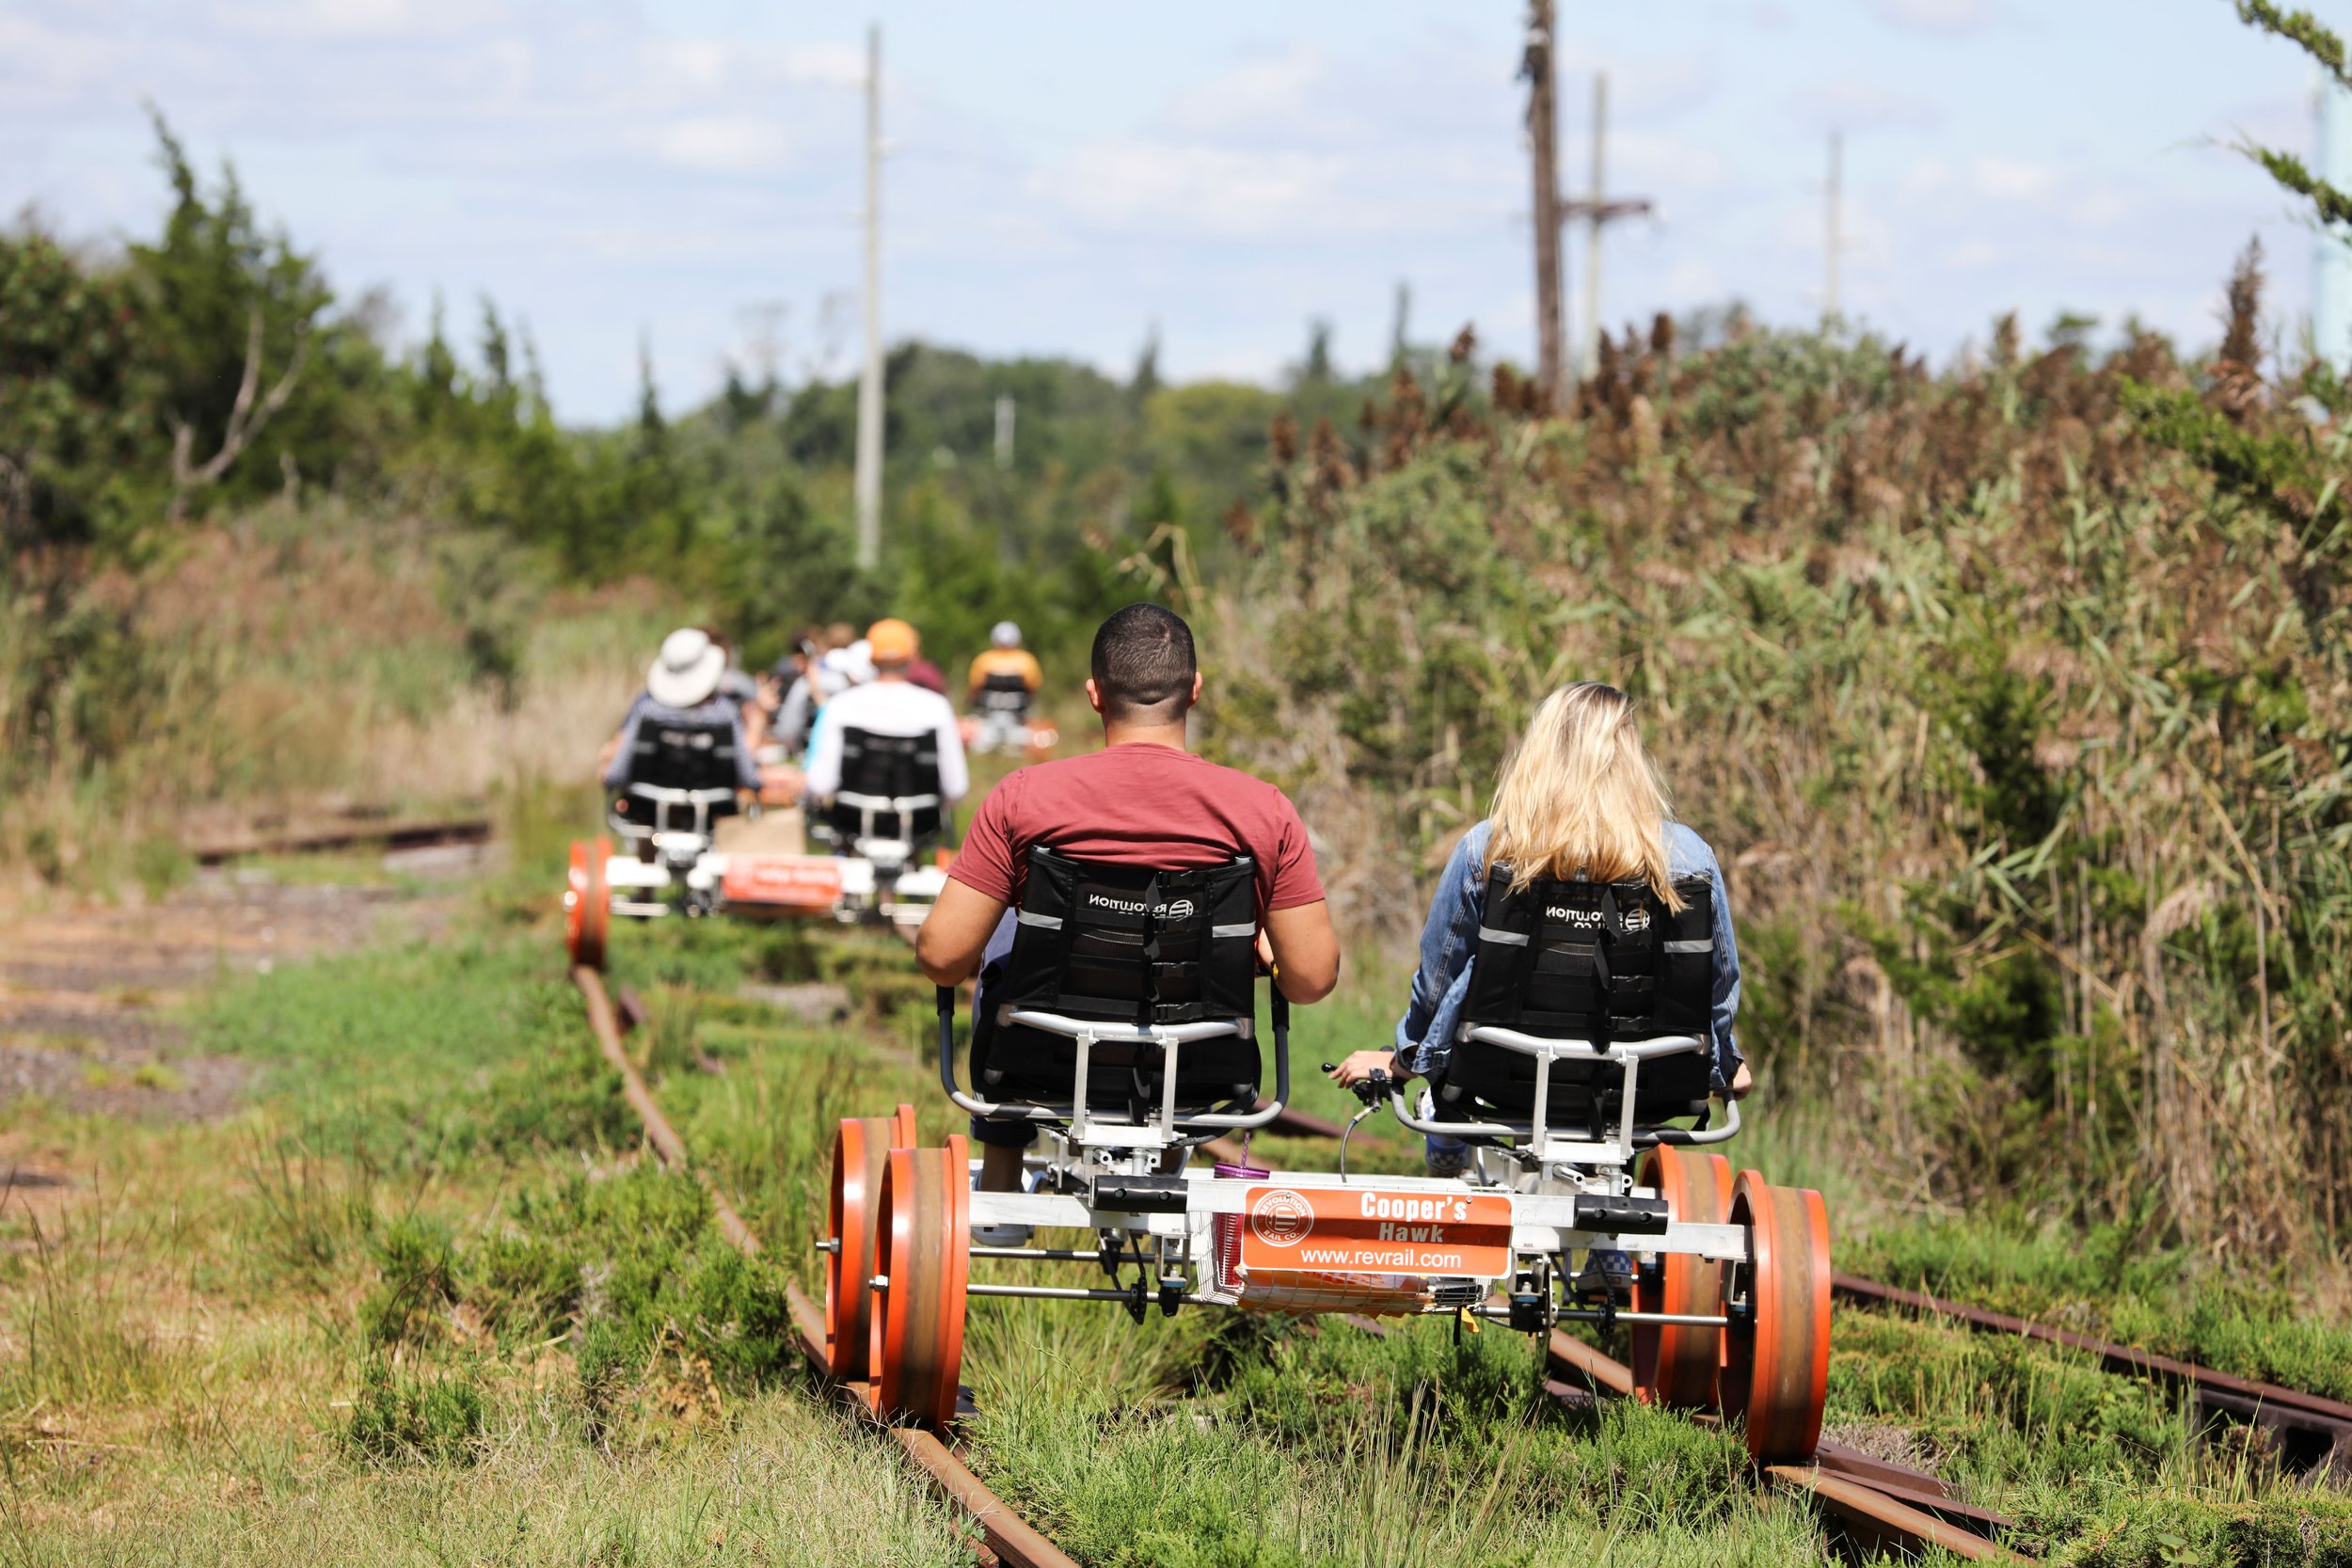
<point x="681" y="687"/>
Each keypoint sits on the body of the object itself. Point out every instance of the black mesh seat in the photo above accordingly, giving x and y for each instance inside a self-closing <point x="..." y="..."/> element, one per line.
<point x="1127" y="947"/>
<point x="1603" y="963"/>
<point x="889" y="788"/>
<point x="1004" y="692"/>
<point x="682" y="773"/>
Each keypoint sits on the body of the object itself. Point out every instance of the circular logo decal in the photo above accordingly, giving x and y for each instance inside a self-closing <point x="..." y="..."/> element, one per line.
<point x="1281" y="1218"/>
<point x="1180" y="909"/>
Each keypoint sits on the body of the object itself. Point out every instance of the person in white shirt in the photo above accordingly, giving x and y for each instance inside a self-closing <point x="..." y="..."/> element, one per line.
<point x="888" y="705"/>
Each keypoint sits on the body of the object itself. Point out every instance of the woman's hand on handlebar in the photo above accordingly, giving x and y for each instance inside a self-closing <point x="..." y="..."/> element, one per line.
<point x="1356" y="1066"/>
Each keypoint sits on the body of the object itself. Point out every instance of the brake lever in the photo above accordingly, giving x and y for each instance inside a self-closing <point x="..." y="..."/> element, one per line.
<point x="1371" y="1089"/>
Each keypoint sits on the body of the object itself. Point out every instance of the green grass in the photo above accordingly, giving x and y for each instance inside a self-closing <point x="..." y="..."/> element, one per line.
<point x="424" y="1299"/>
<point x="421" y="1299"/>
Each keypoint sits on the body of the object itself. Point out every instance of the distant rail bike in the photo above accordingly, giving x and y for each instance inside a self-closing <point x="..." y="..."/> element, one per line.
<point x="883" y="826"/>
<point x="1122" y="1026"/>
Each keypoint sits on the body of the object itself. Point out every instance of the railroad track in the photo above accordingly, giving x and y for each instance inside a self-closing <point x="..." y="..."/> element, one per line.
<point x="1007" y="1538"/>
<point x="386" y="833"/>
<point x="1878" y="1505"/>
<point x="1881" y="1506"/>
<point x="2314" y="1431"/>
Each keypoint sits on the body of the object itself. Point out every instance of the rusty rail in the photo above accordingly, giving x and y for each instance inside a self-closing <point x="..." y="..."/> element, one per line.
<point x="2324" y="1425"/>
<point x="1881" y="1505"/>
<point x="389" y="835"/>
<point x="1009" y="1538"/>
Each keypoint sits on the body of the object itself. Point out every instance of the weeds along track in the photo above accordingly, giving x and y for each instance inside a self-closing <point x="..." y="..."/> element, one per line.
<point x="1881" y="1506"/>
<point x="1009" y="1538"/>
<point x="2316" y="1431"/>
<point x="1875" y="1504"/>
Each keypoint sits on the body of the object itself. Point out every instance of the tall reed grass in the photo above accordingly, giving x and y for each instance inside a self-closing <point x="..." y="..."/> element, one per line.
<point x="2021" y="733"/>
<point x="297" y="657"/>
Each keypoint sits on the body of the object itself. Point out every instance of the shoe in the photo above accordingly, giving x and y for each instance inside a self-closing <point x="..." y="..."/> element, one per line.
<point x="1001" y="1235"/>
<point x="1608" y="1272"/>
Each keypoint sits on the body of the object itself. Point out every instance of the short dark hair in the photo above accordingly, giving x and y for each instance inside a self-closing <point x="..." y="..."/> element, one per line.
<point x="1143" y="663"/>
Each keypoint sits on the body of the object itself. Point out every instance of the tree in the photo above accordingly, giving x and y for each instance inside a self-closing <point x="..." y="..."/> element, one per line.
<point x="224" y="302"/>
<point x="76" y="392"/>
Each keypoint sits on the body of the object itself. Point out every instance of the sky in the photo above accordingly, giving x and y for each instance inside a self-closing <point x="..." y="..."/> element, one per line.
<point x="1068" y="179"/>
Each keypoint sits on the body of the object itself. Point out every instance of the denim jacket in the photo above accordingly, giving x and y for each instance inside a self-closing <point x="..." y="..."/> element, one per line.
<point x="1425" y="1035"/>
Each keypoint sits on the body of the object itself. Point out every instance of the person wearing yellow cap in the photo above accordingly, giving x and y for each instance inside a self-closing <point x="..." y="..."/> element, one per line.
<point x="889" y="704"/>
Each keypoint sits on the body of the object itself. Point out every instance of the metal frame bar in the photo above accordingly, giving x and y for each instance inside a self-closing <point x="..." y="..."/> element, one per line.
<point x="662" y="798"/>
<point x="1087" y="1033"/>
<point x="1628" y="1056"/>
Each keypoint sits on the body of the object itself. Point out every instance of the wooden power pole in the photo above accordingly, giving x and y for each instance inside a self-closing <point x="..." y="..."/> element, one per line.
<point x="1836" y="235"/>
<point x="869" y="385"/>
<point x="1542" y="135"/>
<point x="1597" y="211"/>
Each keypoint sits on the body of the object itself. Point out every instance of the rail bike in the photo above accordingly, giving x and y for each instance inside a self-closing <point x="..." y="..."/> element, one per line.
<point x="882" y="827"/>
<point x="1122" y="1026"/>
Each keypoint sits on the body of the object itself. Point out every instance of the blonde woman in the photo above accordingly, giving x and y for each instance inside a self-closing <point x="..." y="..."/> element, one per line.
<point x="1578" y="800"/>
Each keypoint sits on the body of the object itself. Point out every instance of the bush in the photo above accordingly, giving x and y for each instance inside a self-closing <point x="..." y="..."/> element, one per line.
<point x="401" y="1417"/>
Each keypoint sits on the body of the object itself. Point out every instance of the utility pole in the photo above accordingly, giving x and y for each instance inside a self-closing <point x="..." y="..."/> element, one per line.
<point x="2331" y="247"/>
<point x="869" y="387"/>
<point x="1836" y="235"/>
<point x="1544" y="138"/>
<point x="1597" y="211"/>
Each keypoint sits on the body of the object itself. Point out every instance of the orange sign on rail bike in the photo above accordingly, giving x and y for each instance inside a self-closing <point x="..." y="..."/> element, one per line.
<point x="1370" y="1230"/>
<point x="788" y="881"/>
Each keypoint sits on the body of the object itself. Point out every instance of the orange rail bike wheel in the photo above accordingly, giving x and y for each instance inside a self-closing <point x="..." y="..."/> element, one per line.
<point x="861" y="1149"/>
<point x="587" y="903"/>
<point x="1676" y="1364"/>
<point x="1776" y="1365"/>
<point x="927" y="1255"/>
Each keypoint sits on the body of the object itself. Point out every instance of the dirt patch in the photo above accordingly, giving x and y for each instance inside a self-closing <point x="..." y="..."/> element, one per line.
<point x="82" y="990"/>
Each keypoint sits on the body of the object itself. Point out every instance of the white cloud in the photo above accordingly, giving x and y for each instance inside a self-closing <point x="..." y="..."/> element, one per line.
<point x="737" y="143"/>
<point x="350" y="19"/>
<point x="1171" y="187"/>
<point x="1274" y="92"/>
<point x="839" y="64"/>
<point x="2013" y="178"/>
<point x="1864" y="103"/>
<point x="1938" y="16"/>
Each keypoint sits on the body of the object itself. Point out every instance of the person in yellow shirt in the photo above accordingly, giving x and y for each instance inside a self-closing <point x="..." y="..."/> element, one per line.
<point x="1005" y="678"/>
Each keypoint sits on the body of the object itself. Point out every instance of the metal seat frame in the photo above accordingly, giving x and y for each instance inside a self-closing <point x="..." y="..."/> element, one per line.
<point x="1536" y="1145"/>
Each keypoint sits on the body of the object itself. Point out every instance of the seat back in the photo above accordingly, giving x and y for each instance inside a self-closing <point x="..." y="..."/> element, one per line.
<point x="1124" y="945"/>
<point x="684" y="753"/>
<point x="889" y="787"/>
<point x="1004" y="691"/>
<point x="1606" y="963"/>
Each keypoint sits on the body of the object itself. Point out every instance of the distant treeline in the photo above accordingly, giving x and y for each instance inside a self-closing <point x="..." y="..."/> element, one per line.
<point x="213" y="368"/>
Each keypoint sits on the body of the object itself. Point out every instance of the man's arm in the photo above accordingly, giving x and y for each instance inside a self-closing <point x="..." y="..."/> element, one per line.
<point x="954" y="776"/>
<point x="613" y="761"/>
<point x="1306" y="950"/>
<point x="948" y="947"/>
<point x="824" y="758"/>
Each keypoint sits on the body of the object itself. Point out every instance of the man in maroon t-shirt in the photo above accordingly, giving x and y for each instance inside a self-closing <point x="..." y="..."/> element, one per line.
<point x="1142" y="800"/>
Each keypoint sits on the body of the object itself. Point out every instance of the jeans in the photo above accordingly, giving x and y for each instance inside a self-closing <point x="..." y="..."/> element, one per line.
<point x="1441" y="1155"/>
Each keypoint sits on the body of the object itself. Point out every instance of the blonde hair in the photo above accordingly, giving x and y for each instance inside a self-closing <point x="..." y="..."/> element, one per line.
<point x="1580" y="799"/>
